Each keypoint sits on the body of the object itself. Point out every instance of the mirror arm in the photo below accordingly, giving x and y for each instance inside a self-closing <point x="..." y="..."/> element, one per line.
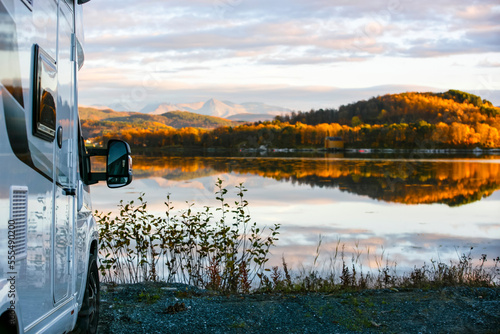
<point x="96" y="177"/>
<point x="93" y="178"/>
<point x="97" y="152"/>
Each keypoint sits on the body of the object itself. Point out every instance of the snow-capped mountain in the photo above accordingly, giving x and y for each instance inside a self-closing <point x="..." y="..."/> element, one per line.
<point x="213" y="107"/>
<point x="158" y="108"/>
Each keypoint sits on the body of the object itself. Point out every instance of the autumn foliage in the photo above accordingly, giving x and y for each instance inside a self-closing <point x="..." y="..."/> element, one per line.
<point x="453" y="119"/>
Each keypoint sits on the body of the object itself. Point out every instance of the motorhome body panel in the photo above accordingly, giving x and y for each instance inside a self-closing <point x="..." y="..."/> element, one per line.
<point x="39" y="174"/>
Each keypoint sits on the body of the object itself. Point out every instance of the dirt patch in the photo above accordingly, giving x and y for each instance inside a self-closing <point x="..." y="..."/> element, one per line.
<point x="177" y="308"/>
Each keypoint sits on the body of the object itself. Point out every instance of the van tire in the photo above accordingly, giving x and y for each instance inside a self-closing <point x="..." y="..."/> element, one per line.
<point x="88" y="317"/>
<point x="8" y="322"/>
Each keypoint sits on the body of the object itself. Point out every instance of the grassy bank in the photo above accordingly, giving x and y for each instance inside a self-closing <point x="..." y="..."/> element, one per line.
<point x="221" y="249"/>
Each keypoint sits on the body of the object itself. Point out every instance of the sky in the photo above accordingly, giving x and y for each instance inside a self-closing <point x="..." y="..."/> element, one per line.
<point x="298" y="54"/>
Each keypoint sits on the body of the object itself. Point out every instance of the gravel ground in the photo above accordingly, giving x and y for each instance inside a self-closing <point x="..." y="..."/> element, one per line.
<point x="177" y="308"/>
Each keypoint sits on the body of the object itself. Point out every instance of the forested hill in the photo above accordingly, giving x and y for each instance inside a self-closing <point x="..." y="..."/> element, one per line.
<point x="449" y="107"/>
<point x="98" y="121"/>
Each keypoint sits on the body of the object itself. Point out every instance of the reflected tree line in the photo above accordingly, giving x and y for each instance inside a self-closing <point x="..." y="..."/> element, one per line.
<point x="402" y="181"/>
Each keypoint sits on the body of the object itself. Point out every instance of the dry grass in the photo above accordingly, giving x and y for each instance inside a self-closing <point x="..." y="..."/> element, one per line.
<point x="342" y="275"/>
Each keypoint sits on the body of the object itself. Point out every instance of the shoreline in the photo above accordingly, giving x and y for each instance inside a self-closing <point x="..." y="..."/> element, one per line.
<point x="224" y="152"/>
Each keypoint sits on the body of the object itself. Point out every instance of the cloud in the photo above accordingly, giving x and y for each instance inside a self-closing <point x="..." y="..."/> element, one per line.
<point x="97" y="88"/>
<point x="191" y="45"/>
<point x="487" y="63"/>
<point x="486" y="13"/>
<point x="486" y="40"/>
<point x="474" y="42"/>
<point x="358" y="27"/>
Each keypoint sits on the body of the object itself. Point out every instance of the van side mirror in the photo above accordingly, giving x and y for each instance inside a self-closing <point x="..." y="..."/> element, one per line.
<point x="118" y="164"/>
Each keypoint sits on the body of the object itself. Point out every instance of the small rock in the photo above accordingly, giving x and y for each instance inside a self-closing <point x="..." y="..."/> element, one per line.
<point x="176" y="308"/>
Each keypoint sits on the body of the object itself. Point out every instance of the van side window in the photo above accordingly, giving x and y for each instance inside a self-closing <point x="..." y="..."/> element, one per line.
<point x="44" y="95"/>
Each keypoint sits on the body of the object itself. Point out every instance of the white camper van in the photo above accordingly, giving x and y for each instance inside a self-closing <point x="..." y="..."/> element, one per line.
<point x="48" y="237"/>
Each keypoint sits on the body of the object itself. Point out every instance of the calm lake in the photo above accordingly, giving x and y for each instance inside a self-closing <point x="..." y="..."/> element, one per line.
<point x="388" y="209"/>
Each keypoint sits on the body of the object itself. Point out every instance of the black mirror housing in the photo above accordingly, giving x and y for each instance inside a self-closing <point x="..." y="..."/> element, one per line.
<point x="118" y="164"/>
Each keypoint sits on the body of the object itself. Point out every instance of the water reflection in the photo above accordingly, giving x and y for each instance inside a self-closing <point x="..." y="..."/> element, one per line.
<point x="362" y="202"/>
<point x="451" y="182"/>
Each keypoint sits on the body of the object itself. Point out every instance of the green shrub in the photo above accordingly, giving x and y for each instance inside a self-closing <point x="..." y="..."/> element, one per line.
<point x="216" y="248"/>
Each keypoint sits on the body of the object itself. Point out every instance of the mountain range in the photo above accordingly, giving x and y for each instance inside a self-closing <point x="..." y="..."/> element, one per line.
<point x="250" y="111"/>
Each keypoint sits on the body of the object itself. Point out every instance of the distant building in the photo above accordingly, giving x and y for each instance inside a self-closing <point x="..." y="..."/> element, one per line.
<point x="334" y="143"/>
